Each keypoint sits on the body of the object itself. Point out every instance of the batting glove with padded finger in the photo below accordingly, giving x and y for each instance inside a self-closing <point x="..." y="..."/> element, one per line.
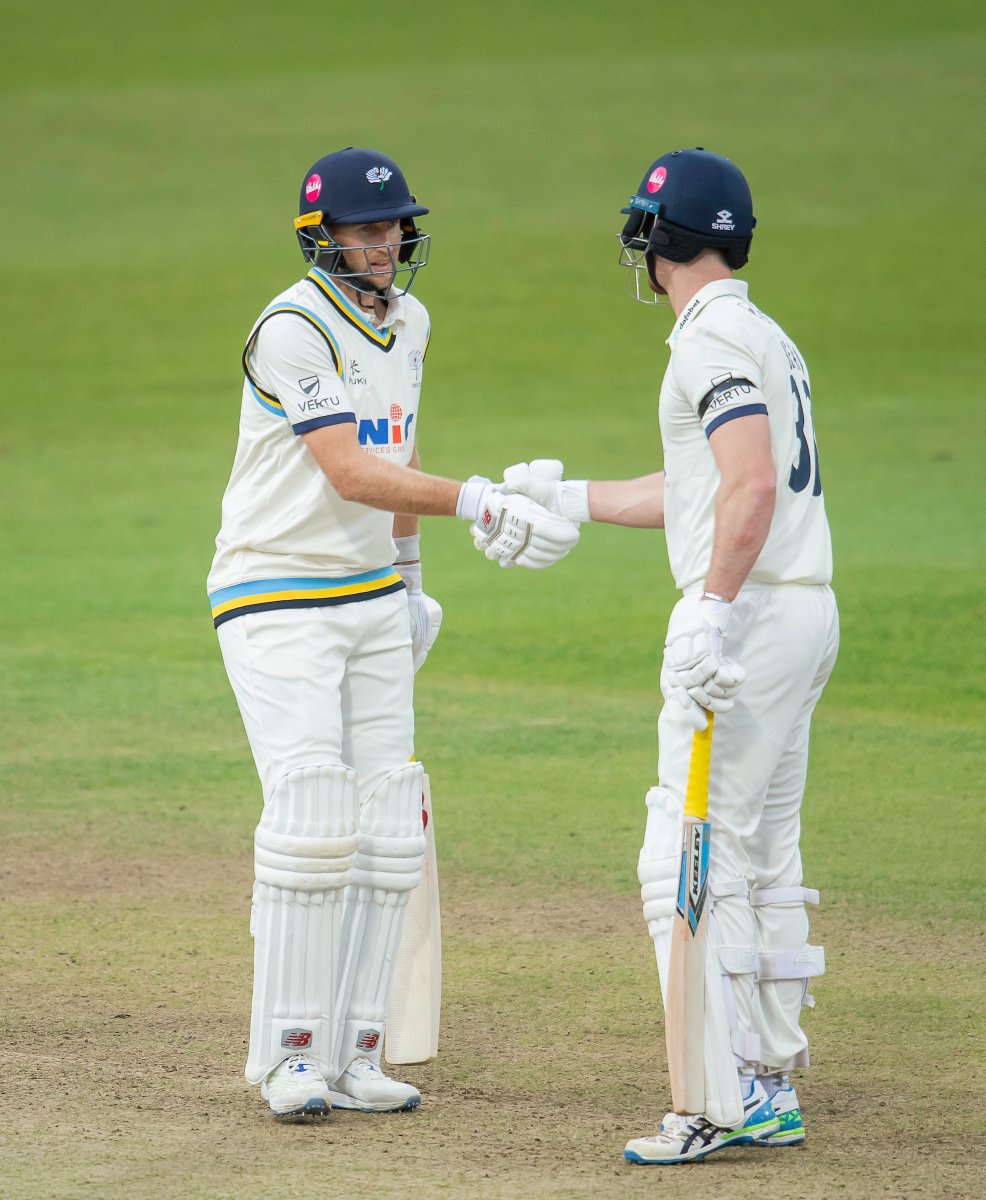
<point x="542" y="481"/>
<point x="426" y="621"/>
<point x="516" y="532"/>
<point x="697" y="674"/>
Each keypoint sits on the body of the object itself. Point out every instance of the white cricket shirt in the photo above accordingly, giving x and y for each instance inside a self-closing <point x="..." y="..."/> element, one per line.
<point x="729" y="360"/>
<point x="312" y="359"/>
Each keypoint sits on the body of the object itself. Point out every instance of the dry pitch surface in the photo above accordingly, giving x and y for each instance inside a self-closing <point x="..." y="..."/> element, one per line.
<point x="124" y="1023"/>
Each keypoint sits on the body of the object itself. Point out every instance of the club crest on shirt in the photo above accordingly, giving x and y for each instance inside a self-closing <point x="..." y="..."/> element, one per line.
<point x="415" y="360"/>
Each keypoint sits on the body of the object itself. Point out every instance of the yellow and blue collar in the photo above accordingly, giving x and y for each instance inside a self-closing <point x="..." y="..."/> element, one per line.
<point x="384" y="338"/>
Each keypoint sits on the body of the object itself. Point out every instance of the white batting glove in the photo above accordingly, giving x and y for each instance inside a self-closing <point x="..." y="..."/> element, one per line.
<point x="426" y="621"/>
<point x="425" y="613"/>
<point x="697" y="674"/>
<point x="542" y="481"/>
<point x="516" y="532"/>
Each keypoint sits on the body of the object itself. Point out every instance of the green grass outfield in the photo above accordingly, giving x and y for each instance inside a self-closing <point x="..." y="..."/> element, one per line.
<point x="151" y="162"/>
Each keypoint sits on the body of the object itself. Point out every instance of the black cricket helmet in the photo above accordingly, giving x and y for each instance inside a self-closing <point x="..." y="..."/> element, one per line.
<point x="356" y="187"/>
<point x="687" y="200"/>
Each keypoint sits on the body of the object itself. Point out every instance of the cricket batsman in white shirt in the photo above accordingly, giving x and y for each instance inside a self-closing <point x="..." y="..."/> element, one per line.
<point x="316" y="596"/>
<point x="751" y="642"/>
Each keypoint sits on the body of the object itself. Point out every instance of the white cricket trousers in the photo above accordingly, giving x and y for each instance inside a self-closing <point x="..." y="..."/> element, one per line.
<point x="786" y="637"/>
<point x="322" y="685"/>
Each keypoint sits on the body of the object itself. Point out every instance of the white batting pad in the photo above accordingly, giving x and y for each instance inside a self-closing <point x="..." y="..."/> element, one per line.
<point x="303" y="851"/>
<point x="414" y="1015"/>
<point x="386" y="868"/>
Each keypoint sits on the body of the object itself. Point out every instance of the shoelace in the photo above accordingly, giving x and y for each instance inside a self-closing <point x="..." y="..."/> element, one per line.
<point x="363" y="1066"/>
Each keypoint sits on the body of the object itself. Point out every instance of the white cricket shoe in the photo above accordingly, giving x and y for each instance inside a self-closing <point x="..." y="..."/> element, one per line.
<point x="688" y="1139"/>
<point x="295" y="1088"/>
<point x="366" y="1088"/>
<point x="784" y="1099"/>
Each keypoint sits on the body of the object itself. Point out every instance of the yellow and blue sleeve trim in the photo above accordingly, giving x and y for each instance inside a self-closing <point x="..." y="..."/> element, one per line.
<point x="264" y="594"/>
<point x="266" y="399"/>
<point x="384" y="339"/>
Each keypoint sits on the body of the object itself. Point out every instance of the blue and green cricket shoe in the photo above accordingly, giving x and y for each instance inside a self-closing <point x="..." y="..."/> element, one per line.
<point x="689" y="1139"/>
<point x="792" y="1129"/>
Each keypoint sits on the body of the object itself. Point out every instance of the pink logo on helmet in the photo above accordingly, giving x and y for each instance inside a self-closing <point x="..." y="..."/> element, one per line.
<point x="313" y="187"/>
<point x="657" y="178"/>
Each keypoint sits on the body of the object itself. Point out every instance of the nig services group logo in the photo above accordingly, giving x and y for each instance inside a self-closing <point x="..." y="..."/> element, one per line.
<point x="383" y="435"/>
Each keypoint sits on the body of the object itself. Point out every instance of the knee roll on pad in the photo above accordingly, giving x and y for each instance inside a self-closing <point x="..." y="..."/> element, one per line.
<point x="306" y="838"/>
<point x="391" y="834"/>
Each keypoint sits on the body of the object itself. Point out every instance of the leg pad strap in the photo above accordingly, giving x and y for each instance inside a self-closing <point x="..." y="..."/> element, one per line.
<point x="783" y="895"/>
<point x="738" y="960"/>
<point x="805" y="963"/>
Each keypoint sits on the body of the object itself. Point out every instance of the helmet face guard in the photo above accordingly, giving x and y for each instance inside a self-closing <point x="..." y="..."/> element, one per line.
<point x="635" y="250"/>
<point x="321" y="249"/>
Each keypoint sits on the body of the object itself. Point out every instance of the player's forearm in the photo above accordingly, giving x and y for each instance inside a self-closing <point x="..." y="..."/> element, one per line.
<point x="406" y="524"/>
<point x="396" y="489"/>
<point x="744" y="511"/>
<point x="638" y="503"/>
<point x="362" y="478"/>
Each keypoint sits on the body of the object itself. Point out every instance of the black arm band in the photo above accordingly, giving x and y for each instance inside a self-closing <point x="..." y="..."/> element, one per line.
<point x="720" y="388"/>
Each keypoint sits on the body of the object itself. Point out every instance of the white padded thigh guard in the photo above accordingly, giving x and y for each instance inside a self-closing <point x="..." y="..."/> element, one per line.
<point x="303" y="851"/>
<point x="386" y="869"/>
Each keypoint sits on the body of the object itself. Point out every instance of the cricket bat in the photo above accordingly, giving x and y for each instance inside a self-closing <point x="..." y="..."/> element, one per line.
<point x="684" y="1016"/>
<point x="416" y="992"/>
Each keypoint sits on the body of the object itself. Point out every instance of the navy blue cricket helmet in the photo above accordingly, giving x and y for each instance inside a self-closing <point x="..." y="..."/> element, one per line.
<point x="355" y="187"/>
<point x="687" y="200"/>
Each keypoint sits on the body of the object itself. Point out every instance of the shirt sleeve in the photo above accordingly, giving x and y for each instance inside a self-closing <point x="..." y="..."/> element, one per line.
<point x="298" y="363"/>
<point x="719" y="375"/>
